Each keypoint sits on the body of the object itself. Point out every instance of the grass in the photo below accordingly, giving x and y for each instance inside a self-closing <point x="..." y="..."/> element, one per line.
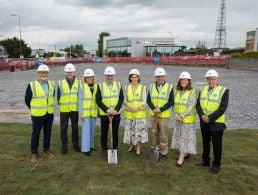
<point x="77" y="174"/>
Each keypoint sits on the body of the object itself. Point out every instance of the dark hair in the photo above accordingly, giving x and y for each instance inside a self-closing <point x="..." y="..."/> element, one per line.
<point x="188" y="87"/>
<point x="129" y="78"/>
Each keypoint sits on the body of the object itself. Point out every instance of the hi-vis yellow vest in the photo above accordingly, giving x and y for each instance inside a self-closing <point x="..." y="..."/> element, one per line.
<point x="181" y="104"/>
<point x="69" y="97"/>
<point x="40" y="104"/>
<point x="110" y="97"/>
<point x="159" y="99"/>
<point x="210" y="104"/>
<point x="135" y="100"/>
<point x="89" y="105"/>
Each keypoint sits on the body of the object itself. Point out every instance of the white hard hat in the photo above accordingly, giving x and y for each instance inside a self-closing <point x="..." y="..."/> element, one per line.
<point x="109" y="71"/>
<point x="88" y="72"/>
<point x="69" y="68"/>
<point x="43" y="68"/>
<point x="134" y="71"/>
<point x="211" y="73"/>
<point x="159" y="72"/>
<point x="185" y="75"/>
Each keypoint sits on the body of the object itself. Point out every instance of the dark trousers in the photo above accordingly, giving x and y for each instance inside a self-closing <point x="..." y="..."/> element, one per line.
<point x="64" y="120"/>
<point x="104" y="121"/>
<point x="37" y="124"/>
<point x="216" y="138"/>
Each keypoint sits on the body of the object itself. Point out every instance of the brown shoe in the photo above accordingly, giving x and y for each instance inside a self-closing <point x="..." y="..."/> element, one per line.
<point x="34" y="158"/>
<point x="49" y="154"/>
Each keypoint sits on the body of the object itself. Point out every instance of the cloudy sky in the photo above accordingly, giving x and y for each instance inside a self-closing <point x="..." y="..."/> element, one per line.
<point x="50" y="23"/>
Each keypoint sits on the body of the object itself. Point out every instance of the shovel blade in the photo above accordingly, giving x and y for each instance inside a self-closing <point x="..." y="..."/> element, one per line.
<point x="112" y="157"/>
<point x="154" y="153"/>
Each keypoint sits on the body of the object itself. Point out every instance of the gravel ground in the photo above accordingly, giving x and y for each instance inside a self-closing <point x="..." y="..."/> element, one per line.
<point x="241" y="113"/>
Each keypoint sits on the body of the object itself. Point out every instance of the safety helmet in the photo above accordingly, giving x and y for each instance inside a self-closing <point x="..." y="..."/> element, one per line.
<point x="69" y="68"/>
<point x="185" y="75"/>
<point x="134" y="71"/>
<point x="88" y="72"/>
<point x="211" y="73"/>
<point x="43" y="68"/>
<point x="109" y="71"/>
<point x="159" y="72"/>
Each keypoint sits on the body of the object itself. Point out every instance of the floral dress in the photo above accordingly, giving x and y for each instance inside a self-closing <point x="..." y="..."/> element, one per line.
<point x="184" y="135"/>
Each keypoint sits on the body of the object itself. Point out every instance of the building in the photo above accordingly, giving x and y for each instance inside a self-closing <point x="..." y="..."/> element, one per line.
<point x="139" y="46"/>
<point x="3" y="53"/>
<point x="252" y="40"/>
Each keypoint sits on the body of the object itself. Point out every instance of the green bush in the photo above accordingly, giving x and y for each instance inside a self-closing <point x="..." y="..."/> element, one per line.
<point x="250" y="54"/>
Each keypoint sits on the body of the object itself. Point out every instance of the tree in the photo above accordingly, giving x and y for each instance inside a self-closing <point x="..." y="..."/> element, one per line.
<point x="100" y="43"/>
<point x="76" y="50"/>
<point x="12" y="47"/>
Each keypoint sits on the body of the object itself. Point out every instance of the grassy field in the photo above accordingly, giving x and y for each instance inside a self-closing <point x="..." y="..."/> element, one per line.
<point x="77" y="174"/>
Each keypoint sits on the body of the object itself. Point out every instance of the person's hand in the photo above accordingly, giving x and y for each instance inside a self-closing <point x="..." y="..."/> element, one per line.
<point x="81" y="117"/>
<point x="114" y="112"/>
<point x="179" y="118"/>
<point x="135" y="109"/>
<point x="205" y="119"/>
<point x="109" y="111"/>
<point x="156" y="111"/>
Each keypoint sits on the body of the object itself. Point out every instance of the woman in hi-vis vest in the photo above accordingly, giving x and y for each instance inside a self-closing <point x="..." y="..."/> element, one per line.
<point x="88" y="111"/>
<point x="135" y="113"/>
<point x="184" y="133"/>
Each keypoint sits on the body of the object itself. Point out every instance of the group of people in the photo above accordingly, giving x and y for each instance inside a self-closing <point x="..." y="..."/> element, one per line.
<point x="86" y="100"/>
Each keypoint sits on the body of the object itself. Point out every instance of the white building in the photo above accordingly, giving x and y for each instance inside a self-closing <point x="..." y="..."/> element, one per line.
<point x="138" y="46"/>
<point x="3" y="52"/>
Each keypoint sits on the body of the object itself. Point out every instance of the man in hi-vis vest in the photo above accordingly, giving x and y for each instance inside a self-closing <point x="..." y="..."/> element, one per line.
<point x="211" y="107"/>
<point x="160" y="100"/>
<point x="67" y="98"/>
<point x="110" y="99"/>
<point x="39" y="98"/>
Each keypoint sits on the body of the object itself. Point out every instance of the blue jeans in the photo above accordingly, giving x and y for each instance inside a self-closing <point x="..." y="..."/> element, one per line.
<point x="88" y="129"/>
<point x="37" y="124"/>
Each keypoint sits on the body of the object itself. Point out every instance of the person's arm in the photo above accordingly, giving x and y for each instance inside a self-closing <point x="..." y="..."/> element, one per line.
<point x="58" y="95"/>
<point x="120" y="101"/>
<point x="99" y="101"/>
<point x="149" y="102"/>
<point x="170" y="102"/>
<point x="222" y="108"/>
<point x="28" y="96"/>
<point x="198" y="107"/>
<point x="80" y="101"/>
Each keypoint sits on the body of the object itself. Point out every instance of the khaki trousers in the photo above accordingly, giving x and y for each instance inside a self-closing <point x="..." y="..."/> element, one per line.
<point x="160" y="133"/>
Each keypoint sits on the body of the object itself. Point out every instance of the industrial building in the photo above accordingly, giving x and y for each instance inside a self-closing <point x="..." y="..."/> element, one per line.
<point x="252" y="40"/>
<point x="139" y="46"/>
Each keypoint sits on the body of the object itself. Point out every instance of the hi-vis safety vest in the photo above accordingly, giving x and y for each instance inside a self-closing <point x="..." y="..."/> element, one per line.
<point x="69" y="97"/>
<point x="159" y="99"/>
<point x="89" y="105"/>
<point x="182" y="102"/>
<point x="110" y="97"/>
<point x="40" y="104"/>
<point x="210" y="104"/>
<point x="135" y="100"/>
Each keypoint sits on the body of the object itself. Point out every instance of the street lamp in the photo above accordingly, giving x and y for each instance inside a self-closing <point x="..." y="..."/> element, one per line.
<point x="70" y="42"/>
<point x="20" y="32"/>
<point x="171" y="42"/>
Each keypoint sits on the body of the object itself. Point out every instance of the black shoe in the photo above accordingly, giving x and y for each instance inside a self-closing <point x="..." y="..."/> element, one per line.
<point x="87" y="153"/>
<point x="179" y="165"/>
<point x="64" y="151"/>
<point x="163" y="158"/>
<point x="214" y="170"/>
<point x="203" y="164"/>
<point x="77" y="149"/>
<point x="104" y="153"/>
